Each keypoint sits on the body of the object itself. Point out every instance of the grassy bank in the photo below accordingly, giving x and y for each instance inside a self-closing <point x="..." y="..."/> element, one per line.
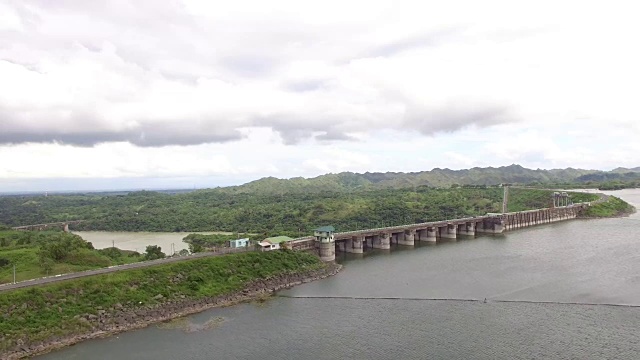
<point x="44" y="253"/>
<point x="612" y="207"/>
<point x="526" y="199"/>
<point x="60" y="310"/>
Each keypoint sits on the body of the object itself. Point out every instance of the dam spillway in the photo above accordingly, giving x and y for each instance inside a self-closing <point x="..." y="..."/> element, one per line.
<point x="382" y="238"/>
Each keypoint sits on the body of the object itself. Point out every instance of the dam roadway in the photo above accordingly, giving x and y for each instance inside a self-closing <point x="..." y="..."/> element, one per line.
<point x="382" y="238"/>
<point x="111" y="269"/>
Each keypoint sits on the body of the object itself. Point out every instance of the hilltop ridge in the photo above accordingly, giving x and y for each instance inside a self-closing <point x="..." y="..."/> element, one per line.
<point x="350" y="181"/>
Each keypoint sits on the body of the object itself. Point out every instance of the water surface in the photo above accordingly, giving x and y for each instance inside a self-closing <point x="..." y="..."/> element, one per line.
<point x="136" y="241"/>
<point x="565" y="291"/>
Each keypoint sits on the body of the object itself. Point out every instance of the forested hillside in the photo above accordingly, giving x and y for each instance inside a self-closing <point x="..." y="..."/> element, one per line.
<point x="289" y="213"/>
<point x="513" y="174"/>
<point x="347" y="181"/>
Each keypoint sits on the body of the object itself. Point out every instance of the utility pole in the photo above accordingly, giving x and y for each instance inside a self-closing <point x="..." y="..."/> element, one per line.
<point x="505" y="198"/>
<point x="14" y="273"/>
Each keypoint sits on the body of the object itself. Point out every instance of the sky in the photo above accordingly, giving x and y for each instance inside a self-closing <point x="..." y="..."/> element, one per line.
<point x="103" y="95"/>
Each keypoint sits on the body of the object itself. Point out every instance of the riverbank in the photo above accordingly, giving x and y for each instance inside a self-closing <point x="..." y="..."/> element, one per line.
<point x="72" y="315"/>
<point x="611" y="207"/>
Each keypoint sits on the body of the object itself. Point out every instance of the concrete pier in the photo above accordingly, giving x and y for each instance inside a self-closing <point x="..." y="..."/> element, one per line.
<point x="467" y="229"/>
<point x="381" y="241"/>
<point x="427" y="234"/>
<point x="448" y="232"/>
<point x="381" y="238"/>
<point x="327" y="251"/>
<point x="355" y="245"/>
<point x="494" y="225"/>
<point x="406" y="238"/>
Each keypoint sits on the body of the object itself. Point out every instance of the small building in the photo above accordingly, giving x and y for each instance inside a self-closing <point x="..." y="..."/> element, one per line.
<point x="273" y="243"/>
<point x="238" y="243"/>
<point x="324" y="234"/>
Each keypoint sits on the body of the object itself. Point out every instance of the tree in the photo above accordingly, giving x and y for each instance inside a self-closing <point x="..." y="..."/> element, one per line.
<point x="153" y="252"/>
<point x="47" y="265"/>
<point x="112" y="252"/>
<point x="183" y="252"/>
<point x="195" y="248"/>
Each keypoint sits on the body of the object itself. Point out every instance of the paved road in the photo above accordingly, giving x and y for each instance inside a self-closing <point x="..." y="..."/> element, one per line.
<point x="142" y="264"/>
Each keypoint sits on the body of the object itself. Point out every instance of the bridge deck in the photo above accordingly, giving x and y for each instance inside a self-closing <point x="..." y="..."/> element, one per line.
<point x="56" y="224"/>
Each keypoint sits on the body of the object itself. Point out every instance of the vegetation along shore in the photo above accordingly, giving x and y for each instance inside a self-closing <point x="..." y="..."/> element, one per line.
<point x="39" y="319"/>
<point x="611" y="207"/>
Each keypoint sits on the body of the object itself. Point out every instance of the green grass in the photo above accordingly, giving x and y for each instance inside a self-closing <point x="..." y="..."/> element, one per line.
<point x="612" y="207"/>
<point x="39" y="313"/>
<point x="22" y="248"/>
<point x="526" y="199"/>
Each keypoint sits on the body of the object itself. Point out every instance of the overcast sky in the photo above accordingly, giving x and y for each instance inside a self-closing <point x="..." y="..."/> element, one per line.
<point x="156" y="94"/>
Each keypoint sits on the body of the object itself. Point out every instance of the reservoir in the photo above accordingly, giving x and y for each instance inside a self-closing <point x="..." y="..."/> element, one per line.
<point x="137" y="241"/>
<point x="564" y="290"/>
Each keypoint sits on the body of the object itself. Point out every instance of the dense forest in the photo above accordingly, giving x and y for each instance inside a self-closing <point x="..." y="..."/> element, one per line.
<point x="290" y="213"/>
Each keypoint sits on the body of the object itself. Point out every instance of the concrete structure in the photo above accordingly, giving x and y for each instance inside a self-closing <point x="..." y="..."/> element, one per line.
<point x="324" y="233"/>
<point x="64" y="225"/>
<point x="406" y="237"/>
<point x="274" y="243"/>
<point x="561" y="199"/>
<point x="382" y="238"/>
<point x="325" y="243"/>
<point x="428" y="234"/>
<point x="239" y="243"/>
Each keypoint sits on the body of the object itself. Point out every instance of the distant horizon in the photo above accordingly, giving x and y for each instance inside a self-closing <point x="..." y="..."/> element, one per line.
<point x="300" y="89"/>
<point x="83" y="184"/>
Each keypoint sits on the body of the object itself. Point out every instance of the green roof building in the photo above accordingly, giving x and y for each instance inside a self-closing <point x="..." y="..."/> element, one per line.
<point x="273" y="243"/>
<point x="278" y="239"/>
<point x="324" y="234"/>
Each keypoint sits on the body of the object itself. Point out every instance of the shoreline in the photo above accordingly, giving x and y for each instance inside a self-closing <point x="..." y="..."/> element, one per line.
<point x="109" y="324"/>
<point x="621" y="214"/>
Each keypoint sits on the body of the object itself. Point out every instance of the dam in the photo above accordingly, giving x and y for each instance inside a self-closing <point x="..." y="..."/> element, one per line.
<point x="327" y="243"/>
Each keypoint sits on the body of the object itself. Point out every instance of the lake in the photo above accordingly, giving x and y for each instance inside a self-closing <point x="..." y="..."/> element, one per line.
<point x="137" y="241"/>
<point x="568" y="290"/>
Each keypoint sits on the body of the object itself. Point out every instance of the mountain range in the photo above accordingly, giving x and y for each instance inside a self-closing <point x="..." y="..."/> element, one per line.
<point x="514" y="174"/>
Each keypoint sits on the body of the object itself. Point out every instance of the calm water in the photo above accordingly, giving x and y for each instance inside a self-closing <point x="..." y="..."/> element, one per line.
<point x="136" y="241"/>
<point x="547" y="291"/>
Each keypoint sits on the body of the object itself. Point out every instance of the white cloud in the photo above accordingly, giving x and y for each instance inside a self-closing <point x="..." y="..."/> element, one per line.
<point x="338" y="160"/>
<point x="253" y="88"/>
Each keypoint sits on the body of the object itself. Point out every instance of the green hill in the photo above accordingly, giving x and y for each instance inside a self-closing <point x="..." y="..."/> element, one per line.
<point x="272" y="206"/>
<point x="348" y="181"/>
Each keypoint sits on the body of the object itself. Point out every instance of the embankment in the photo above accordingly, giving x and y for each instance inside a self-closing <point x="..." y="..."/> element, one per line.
<point x="40" y="319"/>
<point x="611" y="207"/>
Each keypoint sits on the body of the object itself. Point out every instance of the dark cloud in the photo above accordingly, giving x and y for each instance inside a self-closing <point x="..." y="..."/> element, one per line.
<point x="334" y="136"/>
<point x="294" y="128"/>
<point x="456" y="116"/>
<point x="212" y="77"/>
<point x="157" y="137"/>
<point x="85" y="129"/>
<point x="183" y="133"/>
